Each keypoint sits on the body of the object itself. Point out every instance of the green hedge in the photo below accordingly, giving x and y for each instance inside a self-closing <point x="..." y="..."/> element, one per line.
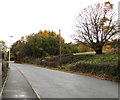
<point x="97" y="69"/>
<point x="102" y="65"/>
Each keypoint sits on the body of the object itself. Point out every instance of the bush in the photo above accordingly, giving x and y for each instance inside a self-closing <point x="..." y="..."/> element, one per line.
<point x="102" y="65"/>
<point x="96" y="69"/>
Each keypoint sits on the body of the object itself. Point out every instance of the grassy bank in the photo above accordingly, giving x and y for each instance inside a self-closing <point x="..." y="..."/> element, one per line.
<point x="105" y="65"/>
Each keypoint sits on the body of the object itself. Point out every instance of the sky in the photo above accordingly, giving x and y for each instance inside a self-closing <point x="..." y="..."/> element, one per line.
<point x="23" y="17"/>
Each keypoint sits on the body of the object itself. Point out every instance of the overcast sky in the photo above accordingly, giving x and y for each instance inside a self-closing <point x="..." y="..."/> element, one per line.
<point x="22" y="17"/>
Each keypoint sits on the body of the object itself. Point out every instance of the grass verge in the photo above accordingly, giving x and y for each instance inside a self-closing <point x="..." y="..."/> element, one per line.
<point x="103" y="66"/>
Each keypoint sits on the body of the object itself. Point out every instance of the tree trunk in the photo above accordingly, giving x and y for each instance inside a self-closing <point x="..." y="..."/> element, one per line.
<point x="99" y="51"/>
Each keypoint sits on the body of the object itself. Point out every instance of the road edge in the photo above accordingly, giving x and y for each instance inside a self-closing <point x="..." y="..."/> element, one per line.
<point x="1" y="92"/>
<point x="37" y="94"/>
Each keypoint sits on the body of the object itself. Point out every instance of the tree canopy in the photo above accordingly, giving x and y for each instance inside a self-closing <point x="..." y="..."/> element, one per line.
<point x="39" y="44"/>
<point x="2" y="45"/>
<point x="95" y="25"/>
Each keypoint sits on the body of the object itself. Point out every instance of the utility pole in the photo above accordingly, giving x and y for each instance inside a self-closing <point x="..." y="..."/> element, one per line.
<point x="60" y="48"/>
<point x="9" y="48"/>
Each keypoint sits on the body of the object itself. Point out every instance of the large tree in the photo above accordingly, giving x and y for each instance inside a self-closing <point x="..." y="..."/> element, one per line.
<point x="95" y="25"/>
<point x="37" y="45"/>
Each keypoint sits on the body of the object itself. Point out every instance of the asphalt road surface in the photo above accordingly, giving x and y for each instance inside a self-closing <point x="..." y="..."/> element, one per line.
<point x="56" y="84"/>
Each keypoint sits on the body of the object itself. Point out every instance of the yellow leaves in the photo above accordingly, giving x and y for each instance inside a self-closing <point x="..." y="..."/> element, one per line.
<point x="107" y="7"/>
<point x="2" y="42"/>
<point x="17" y="53"/>
<point x="107" y="47"/>
<point x="47" y="33"/>
<point x="106" y="3"/>
<point x="41" y="49"/>
<point x="98" y="5"/>
<point x="105" y="29"/>
<point x="83" y="48"/>
<point x="104" y="19"/>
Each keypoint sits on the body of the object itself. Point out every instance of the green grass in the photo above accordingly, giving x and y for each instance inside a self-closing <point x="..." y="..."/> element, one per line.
<point x="104" y="58"/>
<point x="97" y="59"/>
<point x="112" y="59"/>
<point x="103" y="65"/>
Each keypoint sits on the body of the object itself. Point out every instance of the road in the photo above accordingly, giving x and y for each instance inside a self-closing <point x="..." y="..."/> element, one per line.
<point x="56" y="84"/>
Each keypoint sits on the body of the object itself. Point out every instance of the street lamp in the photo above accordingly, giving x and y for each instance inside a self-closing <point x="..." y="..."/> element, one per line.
<point x="9" y="48"/>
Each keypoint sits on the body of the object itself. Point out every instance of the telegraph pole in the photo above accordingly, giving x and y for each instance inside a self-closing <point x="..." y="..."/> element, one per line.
<point x="60" y="48"/>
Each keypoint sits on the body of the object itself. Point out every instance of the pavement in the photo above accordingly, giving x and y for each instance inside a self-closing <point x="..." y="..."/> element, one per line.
<point x="17" y="86"/>
<point x="57" y="84"/>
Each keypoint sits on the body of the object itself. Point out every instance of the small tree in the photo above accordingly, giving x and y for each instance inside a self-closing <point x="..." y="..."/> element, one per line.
<point x="95" y="25"/>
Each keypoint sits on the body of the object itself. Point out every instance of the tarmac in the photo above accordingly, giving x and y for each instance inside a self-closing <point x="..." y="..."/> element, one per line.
<point x="58" y="84"/>
<point x="17" y="87"/>
<point x="55" y="85"/>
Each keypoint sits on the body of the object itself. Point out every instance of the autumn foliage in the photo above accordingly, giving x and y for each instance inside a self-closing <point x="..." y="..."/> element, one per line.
<point x="96" y="25"/>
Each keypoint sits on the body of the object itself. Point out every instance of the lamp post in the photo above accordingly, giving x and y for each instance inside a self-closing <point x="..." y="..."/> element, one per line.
<point x="60" y="48"/>
<point x="9" y="48"/>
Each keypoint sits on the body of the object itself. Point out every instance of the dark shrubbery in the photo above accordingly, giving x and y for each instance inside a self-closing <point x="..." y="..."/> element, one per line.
<point x="96" y="69"/>
<point x="105" y="65"/>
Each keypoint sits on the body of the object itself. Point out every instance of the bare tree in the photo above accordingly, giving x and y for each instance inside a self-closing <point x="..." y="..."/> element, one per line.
<point x="95" y="25"/>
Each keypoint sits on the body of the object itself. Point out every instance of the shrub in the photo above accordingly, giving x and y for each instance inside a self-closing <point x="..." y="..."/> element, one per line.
<point x="96" y="69"/>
